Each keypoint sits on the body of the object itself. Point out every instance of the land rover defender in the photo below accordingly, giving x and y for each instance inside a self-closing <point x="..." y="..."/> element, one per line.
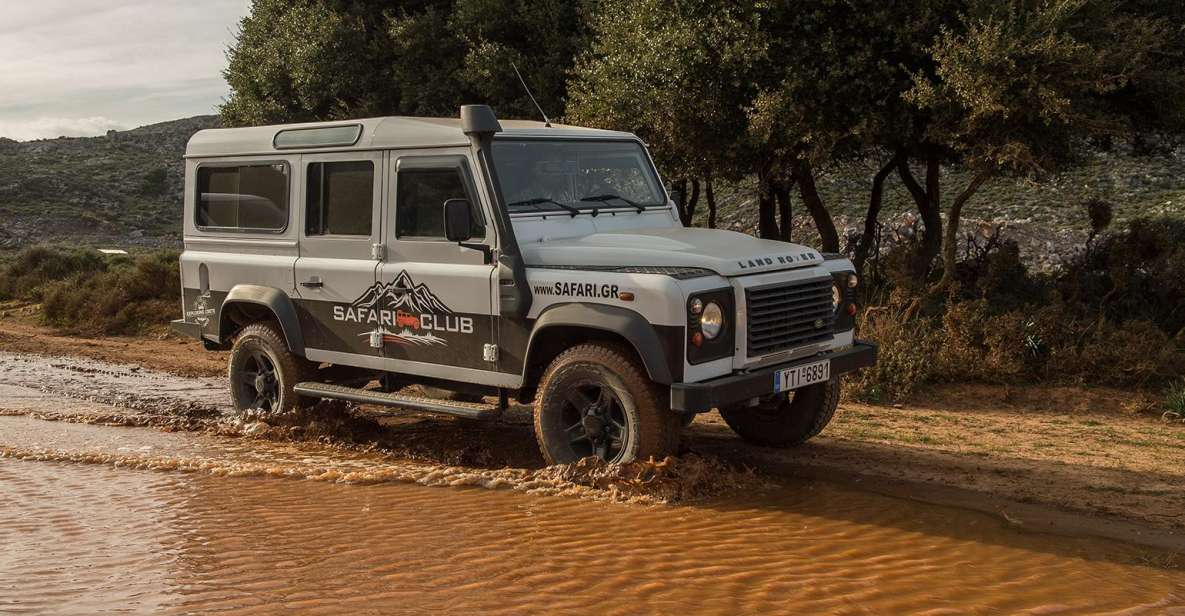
<point x="483" y="260"/>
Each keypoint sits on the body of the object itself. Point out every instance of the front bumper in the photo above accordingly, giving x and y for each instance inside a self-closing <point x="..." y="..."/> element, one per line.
<point x="726" y="390"/>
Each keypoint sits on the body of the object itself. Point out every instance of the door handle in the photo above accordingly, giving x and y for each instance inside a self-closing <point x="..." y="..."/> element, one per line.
<point x="313" y="283"/>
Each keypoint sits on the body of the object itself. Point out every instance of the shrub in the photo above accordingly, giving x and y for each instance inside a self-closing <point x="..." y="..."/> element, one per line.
<point x="28" y="274"/>
<point x="904" y="360"/>
<point x="1174" y="399"/>
<point x="126" y="299"/>
<point x="1137" y="274"/>
<point x="1115" y="316"/>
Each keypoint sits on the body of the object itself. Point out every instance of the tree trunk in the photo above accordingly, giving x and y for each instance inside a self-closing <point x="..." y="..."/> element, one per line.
<point x="814" y="204"/>
<point x="873" y="214"/>
<point x="927" y="201"/>
<point x="932" y="239"/>
<point x="782" y="195"/>
<point x="711" y="195"/>
<point x="681" y="203"/>
<point x="767" y="221"/>
<point x="689" y="211"/>
<point x="950" y="240"/>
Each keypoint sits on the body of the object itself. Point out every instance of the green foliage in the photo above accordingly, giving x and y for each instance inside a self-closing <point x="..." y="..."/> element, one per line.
<point x="678" y="74"/>
<point x="84" y="292"/>
<point x="33" y="269"/>
<point x="1136" y="274"/>
<point x="155" y="182"/>
<point x="125" y="299"/>
<point x="1114" y="317"/>
<point x="325" y="59"/>
<point x="1174" y="399"/>
<point x="1023" y="85"/>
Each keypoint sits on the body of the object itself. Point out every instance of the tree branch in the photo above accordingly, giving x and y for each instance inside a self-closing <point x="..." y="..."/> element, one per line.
<point x="874" y="210"/>
<point x="814" y="204"/>
<point x="951" y="238"/>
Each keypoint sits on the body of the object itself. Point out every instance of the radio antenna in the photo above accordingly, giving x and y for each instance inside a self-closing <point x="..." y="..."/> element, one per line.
<point x="546" y="122"/>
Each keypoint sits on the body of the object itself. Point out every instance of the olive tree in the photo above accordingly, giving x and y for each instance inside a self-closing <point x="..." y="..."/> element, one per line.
<point x="332" y="59"/>
<point x="677" y="74"/>
<point x="1026" y="87"/>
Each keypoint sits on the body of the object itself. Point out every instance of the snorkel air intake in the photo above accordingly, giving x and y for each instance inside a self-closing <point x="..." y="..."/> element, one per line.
<point x="479" y="123"/>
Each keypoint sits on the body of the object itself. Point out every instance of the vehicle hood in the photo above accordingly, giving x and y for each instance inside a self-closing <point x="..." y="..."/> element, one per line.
<point x="725" y="252"/>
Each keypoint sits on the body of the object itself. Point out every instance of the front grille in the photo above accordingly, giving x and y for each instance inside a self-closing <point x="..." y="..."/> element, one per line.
<point x="789" y="315"/>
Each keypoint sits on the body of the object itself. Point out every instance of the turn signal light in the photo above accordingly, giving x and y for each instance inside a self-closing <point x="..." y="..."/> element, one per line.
<point x="697" y="339"/>
<point x="852" y="310"/>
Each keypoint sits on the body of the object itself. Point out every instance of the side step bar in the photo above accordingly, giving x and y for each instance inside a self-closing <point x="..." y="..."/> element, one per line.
<point x="469" y="410"/>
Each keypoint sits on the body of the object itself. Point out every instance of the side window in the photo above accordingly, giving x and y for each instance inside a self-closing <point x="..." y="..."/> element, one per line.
<point x="419" y="204"/>
<point x="247" y="197"/>
<point x="339" y="198"/>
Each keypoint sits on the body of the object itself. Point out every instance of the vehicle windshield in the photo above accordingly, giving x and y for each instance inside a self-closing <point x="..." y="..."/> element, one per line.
<point x="567" y="176"/>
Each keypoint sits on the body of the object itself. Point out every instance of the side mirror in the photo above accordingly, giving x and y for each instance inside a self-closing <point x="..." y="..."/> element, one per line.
<point x="458" y="220"/>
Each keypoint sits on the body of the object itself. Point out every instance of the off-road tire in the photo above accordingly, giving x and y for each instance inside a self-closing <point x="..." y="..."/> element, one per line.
<point x="653" y="429"/>
<point x="786" y="422"/>
<point x="289" y="368"/>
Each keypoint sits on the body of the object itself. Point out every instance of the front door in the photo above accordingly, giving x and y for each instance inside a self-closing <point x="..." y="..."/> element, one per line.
<point x="437" y="294"/>
<point x="341" y="223"/>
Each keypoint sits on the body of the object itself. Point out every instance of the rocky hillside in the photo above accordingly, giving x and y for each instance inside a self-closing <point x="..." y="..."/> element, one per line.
<point x="1048" y="220"/>
<point x="120" y="189"/>
<point x="125" y="189"/>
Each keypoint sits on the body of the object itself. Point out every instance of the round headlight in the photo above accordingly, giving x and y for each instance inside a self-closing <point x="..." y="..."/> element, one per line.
<point x="711" y="322"/>
<point x="836" y="296"/>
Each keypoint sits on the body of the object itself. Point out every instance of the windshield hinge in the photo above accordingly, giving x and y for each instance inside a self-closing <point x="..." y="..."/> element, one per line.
<point x="378" y="252"/>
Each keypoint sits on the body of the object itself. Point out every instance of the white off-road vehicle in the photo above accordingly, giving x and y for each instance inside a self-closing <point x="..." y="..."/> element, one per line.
<point x="481" y="259"/>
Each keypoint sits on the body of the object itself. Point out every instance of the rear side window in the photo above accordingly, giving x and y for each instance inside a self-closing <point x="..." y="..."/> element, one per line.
<point x="245" y="198"/>
<point x="419" y="208"/>
<point x="340" y="198"/>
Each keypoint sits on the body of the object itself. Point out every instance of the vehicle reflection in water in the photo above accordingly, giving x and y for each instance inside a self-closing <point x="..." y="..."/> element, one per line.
<point x="83" y="533"/>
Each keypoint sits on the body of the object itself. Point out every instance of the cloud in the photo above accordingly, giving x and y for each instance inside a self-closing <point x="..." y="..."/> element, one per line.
<point x="132" y="62"/>
<point x="50" y="128"/>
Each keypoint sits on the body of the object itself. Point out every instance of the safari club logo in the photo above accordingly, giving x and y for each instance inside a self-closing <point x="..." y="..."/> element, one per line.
<point x="407" y="313"/>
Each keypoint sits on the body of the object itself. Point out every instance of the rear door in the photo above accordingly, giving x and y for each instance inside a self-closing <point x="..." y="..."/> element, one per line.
<point x="340" y="224"/>
<point x="438" y="294"/>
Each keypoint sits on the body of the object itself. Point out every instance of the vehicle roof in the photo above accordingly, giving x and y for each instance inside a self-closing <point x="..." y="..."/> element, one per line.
<point x="377" y="134"/>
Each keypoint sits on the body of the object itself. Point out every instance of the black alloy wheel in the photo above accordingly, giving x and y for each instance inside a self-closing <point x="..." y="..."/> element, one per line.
<point x="595" y="421"/>
<point x="596" y="400"/>
<point x="263" y="372"/>
<point x="258" y="382"/>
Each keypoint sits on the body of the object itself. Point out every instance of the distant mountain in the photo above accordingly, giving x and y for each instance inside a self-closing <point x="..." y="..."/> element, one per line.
<point x="402" y="294"/>
<point x="120" y="189"/>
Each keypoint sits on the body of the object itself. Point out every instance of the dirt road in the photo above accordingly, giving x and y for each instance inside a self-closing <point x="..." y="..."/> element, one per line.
<point x="1026" y="455"/>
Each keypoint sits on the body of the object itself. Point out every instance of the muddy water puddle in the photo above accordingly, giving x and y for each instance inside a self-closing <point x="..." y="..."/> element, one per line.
<point x="130" y="387"/>
<point x="212" y="515"/>
<point x="106" y="519"/>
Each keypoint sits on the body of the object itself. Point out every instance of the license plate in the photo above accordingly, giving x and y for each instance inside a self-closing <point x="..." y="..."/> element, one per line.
<point x="801" y="376"/>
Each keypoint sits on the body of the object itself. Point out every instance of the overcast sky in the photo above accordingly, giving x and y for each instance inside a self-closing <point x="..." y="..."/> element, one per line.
<point x="80" y="67"/>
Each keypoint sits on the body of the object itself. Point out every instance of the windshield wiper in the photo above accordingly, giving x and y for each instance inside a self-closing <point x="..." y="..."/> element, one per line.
<point x="610" y="197"/>
<point x="541" y="200"/>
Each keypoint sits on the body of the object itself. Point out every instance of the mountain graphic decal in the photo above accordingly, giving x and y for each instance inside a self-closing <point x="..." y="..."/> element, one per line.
<point x="402" y="294"/>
